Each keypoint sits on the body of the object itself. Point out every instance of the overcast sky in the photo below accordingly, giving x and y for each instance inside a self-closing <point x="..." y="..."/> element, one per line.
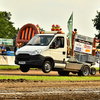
<point x="48" y="12"/>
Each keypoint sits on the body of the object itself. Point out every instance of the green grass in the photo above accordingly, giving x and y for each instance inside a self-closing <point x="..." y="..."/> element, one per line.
<point x="46" y="78"/>
<point x="51" y="78"/>
<point x="97" y="68"/>
<point x="7" y="67"/>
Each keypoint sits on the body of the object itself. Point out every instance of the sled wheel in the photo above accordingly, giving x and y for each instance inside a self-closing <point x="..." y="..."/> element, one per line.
<point x="93" y="71"/>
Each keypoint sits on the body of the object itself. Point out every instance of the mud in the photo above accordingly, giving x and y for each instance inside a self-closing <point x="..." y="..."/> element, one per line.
<point x="47" y="90"/>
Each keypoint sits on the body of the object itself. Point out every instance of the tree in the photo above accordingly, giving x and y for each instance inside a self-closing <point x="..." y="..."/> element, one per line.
<point x="7" y="30"/>
<point x="96" y="22"/>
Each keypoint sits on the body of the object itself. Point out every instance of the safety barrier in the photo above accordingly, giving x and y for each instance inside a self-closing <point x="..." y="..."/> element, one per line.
<point x="7" y="60"/>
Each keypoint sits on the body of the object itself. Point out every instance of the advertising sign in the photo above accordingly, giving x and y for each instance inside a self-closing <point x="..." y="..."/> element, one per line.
<point x="85" y="38"/>
<point x="83" y="44"/>
<point x="6" y="41"/>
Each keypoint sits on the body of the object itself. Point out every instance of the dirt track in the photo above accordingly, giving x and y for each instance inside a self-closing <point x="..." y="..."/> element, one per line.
<point x="46" y="90"/>
<point x="36" y="73"/>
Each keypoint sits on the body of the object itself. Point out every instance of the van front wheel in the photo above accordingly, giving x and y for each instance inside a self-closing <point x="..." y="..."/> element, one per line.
<point x="24" y="68"/>
<point x="46" y="67"/>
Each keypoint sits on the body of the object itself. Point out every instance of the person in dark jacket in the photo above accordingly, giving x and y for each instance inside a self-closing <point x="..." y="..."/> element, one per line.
<point x="3" y="49"/>
<point x="16" y="48"/>
<point x="57" y="43"/>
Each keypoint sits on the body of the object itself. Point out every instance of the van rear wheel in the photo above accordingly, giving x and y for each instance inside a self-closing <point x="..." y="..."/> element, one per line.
<point x="63" y="73"/>
<point x="46" y="67"/>
<point x="85" y="71"/>
<point x="24" y="68"/>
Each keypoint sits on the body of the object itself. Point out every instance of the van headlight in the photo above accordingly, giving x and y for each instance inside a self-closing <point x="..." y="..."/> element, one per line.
<point x="36" y="52"/>
<point x="29" y="52"/>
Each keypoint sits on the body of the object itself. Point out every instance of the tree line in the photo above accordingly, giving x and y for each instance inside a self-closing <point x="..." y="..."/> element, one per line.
<point x="96" y="23"/>
<point x="7" y="29"/>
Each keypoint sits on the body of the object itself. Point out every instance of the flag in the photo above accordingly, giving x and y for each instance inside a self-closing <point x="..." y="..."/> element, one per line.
<point x="70" y="26"/>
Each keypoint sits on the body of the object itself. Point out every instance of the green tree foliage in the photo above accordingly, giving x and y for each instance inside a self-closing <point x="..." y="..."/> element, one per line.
<point x="96" y="22"/>
<point x="7" y="30"/>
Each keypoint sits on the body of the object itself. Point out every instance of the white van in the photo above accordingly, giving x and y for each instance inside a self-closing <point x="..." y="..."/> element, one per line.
<point x="41" y="52"/>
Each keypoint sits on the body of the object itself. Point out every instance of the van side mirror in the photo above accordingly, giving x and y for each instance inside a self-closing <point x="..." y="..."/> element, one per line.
<point x="52" y="46"/>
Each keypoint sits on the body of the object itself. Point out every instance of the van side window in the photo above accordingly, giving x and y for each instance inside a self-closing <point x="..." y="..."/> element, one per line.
<point x="58" y="42"/>
<point x="61" y="42"/>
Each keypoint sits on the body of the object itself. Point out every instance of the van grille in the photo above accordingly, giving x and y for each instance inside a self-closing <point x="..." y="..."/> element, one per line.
<point x="23" y="57"/>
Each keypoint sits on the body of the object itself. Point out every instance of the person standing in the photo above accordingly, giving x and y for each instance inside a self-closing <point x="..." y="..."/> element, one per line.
<point x="97" y="53"/>
<point x="3" y="49"/>
<point x="16" y="48"/>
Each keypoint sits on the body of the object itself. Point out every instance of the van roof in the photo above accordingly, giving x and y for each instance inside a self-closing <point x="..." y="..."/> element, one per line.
<point x="50" y="32"/>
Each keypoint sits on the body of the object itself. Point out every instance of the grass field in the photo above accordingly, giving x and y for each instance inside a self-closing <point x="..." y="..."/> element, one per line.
<point x="5" y="67"/>
<point x="46" y="78"/>
<point x="9" y="67"/>
<point x="51" y="78"/>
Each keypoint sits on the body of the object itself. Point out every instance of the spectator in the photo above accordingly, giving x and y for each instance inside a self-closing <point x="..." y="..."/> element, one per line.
<point x="16" y="48"/>
<point x="97" y="53"/>
<point x="3" y="49"/>
<point x="68" y="50"/>
<point x="75" y="31"/>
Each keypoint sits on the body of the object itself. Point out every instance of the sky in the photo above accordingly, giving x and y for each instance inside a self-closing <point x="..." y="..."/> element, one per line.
<point x="48" y="12"/>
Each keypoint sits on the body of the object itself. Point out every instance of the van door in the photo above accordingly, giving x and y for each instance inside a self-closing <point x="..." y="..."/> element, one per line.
<point x="58" y="53"/>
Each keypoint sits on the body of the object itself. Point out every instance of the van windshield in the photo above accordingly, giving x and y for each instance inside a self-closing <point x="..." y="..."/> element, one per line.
<point x="40" y="40"/>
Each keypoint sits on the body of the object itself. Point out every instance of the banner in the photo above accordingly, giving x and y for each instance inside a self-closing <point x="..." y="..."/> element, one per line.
<point x="83" y="44"/>
<point x="70" y="26"/>
<point x="81" y="47"/>
<point x="6" y="41"/>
